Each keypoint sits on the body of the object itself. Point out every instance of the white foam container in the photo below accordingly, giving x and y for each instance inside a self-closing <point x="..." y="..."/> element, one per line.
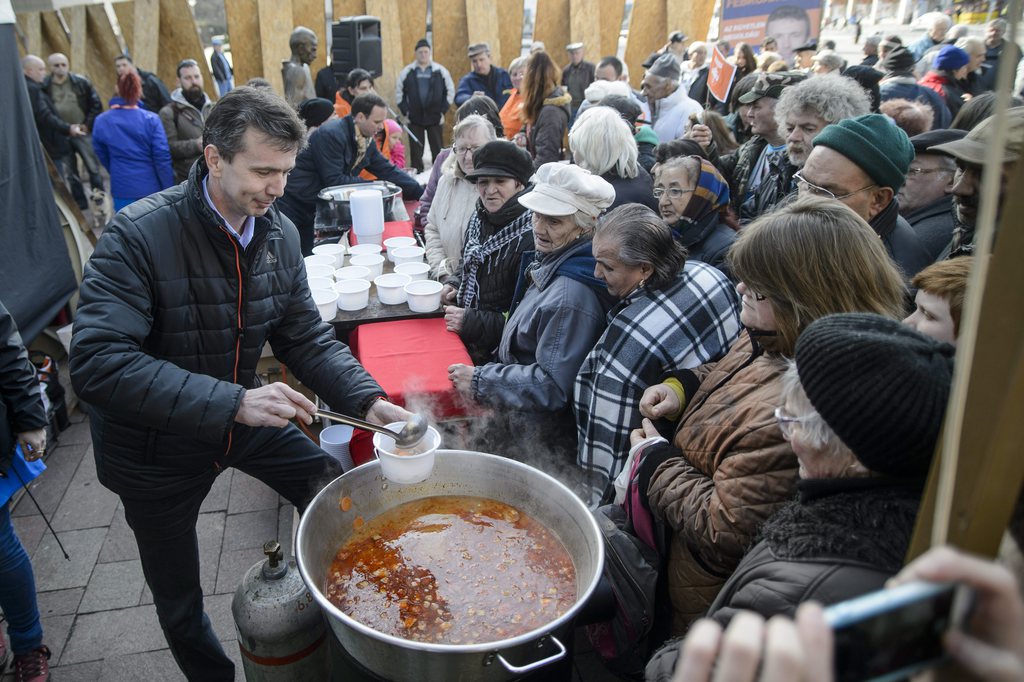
<point x="373" y="262"/>
<point x="326" y="302"/>
<point x="352" y="272"/>
<point x="414" y="270"/>
<point x="424" y="296"/>
<point x="405" y="469"/>
<point x="408" y="254"/>
<point x="320" y="259"/>
<point x="362" y="249"/>
<point x="391" y="288"/>
<point x="321" y="283"/>
<point x="353" y="294"/>
<point x="319" y="271"/>
<point x="335" y="251"/>
<point x="397" y="243"/>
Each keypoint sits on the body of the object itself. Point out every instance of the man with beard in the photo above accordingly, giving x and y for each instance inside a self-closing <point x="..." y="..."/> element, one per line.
<point x="805" y="109"/>
<point x="925" y="200"/>
<point x="970" y="153"/>
<point x="183" y="119"/>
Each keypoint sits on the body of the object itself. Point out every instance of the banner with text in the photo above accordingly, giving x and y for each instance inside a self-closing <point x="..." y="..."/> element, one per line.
<point x="791" y="22"/>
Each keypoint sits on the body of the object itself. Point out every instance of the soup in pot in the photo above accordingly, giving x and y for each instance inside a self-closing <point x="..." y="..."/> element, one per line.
<point x="453" y="570"/>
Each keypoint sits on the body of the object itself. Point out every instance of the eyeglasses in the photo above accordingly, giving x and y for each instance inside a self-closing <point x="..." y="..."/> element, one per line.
<point x="806" y="187"/>
<point x="787" y="421"/>
<point x="672" y="192"/>
<point x="928" y="171"/>
<point x="458" y="150"/>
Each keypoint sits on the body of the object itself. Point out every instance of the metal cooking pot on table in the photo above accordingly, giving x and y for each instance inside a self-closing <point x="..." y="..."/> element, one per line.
<point x="333" y="208"/>
<point x="324" y="528"/>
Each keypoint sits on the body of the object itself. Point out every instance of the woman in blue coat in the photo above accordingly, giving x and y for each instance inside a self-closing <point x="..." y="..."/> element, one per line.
<point x="131" y="143"/>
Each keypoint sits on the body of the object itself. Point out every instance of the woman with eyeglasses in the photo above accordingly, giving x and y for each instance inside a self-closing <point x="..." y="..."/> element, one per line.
<point x="455" y="197"/>
<point x="728" y="467"/>
<point x="693" y="200"/>
<point x="478" y="295"/>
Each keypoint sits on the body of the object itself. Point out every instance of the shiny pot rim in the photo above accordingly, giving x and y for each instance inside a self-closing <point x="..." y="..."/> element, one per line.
<point x="481" y="647"/>
<point x="388" y="190"/>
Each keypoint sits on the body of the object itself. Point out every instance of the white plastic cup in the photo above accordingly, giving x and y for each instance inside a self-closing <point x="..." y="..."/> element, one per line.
<point x="319" y="271"/>
<point x="391" y="288"/>
<point x="321" y="283"/>
<point x="375" y="239"/>
<point x="406" y="469"/>
<point x="362" y="249"/>
<point x="398" y="243"/>
<point x="326" y="302"/>
<point x="334" y="440"/>
<point x="373" y="262"/>
<point x="352" y="272"/>
<point x="320" y="259"/>
<point x="353" y="294"/>
<point x="415" y="271"/>
<point x="407" y="254"/>
<point x="335" y="251"/>
<point x="424" y="295"/>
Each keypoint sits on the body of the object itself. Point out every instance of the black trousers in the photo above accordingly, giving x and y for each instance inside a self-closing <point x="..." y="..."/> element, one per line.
<point x="165" y="530"/>
<point x="431" y="134"/>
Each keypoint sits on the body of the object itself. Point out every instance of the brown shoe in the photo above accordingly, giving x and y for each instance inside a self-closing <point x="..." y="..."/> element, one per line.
<point x="33" y="666"/>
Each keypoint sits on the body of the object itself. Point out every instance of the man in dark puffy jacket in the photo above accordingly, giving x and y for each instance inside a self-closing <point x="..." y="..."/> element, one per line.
<point x="337" y="152"/>
<point x="184" y="290"/>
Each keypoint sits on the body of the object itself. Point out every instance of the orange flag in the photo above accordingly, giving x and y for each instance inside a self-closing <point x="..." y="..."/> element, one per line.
<point x="720" y="75"/>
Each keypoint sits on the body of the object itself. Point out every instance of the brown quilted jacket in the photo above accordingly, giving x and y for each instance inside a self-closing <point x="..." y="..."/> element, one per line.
<point x="734" y="471"/>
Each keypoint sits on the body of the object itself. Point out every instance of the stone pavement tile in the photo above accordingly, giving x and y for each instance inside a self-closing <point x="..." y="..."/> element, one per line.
<point x="150" y="666"/>
<point x="250" y="494"/>
<point x="60" y="602"/>
<point x="54" y="572"/>
<point x="107" y="634"/>
<point x="218" y="608"/>
<point x="86" y="503"/>
<point x="233" y="565"/>
<point x="231" y="649"/>
<point x="210" y="531"/>
<point x="82" y="672"/>
<point x="113" y="586"/>
<point x="76" y="434"/>
<point x="55" y="634"/>
<point x="147" y="596"/>
<point x="29" y="530"/>
<point x="217" y="498"/>
<point x="250" y="529"/>
<point x="49" y="488"/>
<point x="119" y="544"/>
<point x="287" y="527"/>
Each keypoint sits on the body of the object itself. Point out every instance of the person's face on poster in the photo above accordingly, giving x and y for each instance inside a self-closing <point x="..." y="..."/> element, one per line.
<point x="789" y="34"/>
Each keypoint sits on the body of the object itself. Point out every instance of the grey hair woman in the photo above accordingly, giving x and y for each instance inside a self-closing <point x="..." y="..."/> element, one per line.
<point x="455" y="197"/>
<point x="602" y="142"/>
<point x="672" y="314"/>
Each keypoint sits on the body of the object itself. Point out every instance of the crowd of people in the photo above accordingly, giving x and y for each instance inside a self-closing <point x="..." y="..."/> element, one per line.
<point x="744" y="311"/>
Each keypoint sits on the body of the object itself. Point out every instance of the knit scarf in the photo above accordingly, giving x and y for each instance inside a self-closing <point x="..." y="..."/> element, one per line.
<point x="477" y="251"/>
<point x="711" y="194"/>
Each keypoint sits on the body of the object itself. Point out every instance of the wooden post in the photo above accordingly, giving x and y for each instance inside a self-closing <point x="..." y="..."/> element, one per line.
<point x="414" y="26"/>
<point x="103" y="49"/>
<point x="646" y="34"/>
<point x="145" y="43"/>
<point x="586" y="26"/>
<point x="611" y="26"/>
<point x="275" y="17"/>
<point x="693" y="18"/>
<point x="75" y="17"/>
<point x="391" y="46"/>
<point x="310" y="13"/>
<point x="350" y="8"/>
<point x="482" y="27"/>
<point x="54" y="37"/>
<point x="179" y="40"/>
<point x="451" y="36"/>
<point x="31" y="24"/>
<point x="510" y="28"/>
<point x="125" y="13"/>
<point x="244" y="36"/>
<point x="553" y="28"/>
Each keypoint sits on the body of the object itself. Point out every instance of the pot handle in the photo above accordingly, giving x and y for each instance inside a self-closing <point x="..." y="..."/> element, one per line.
<point x="530" y="667"/>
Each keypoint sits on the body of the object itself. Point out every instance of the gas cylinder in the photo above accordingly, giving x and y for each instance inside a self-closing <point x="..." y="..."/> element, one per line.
<point x="282" y="634"/>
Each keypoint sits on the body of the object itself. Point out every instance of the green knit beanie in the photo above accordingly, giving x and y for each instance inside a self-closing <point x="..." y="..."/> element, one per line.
<point x="877" y="145"/>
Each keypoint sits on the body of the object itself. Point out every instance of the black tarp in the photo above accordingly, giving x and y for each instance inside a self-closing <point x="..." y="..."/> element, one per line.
<point x="36" y="278"/>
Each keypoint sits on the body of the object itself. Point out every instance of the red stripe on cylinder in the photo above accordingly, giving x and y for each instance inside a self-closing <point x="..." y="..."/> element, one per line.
<point x="282" y="660"/>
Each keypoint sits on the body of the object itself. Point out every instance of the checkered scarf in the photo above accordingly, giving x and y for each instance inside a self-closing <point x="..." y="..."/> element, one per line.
<point x="475" y="253"/>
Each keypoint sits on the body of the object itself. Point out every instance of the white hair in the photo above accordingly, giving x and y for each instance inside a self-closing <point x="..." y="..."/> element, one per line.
<point x="601" y="141"/>
<point x="598" y="90"/>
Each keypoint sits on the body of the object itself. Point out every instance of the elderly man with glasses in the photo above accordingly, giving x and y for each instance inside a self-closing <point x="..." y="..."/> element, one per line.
<point x="863" y="162"/>
<point x="184" y="117"/>
<point x="925" y="200"/>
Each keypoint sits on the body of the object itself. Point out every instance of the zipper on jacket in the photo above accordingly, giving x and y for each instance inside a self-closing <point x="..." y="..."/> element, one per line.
<point x="239" y="334"/>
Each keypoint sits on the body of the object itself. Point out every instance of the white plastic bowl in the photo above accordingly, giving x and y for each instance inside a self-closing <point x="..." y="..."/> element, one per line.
<point x="408" y="254"/>
<point x="406" y="469"/>
<point x="414" y="270"/>
<point x="353" y="294"/>
<point x="326" y="302"/>
<point x="373" y="262"/>
<point x="398" y="243"/>
<point x="320" y="259"/>
<point x="335" y="251"/>
<point x="318" y="271"/>
<point x="424" y="295"/>
<point x="321" y="283"/>
<point x="364" y="249"/>
<point x="352" y="272"/>
<point x="391" y="288"/>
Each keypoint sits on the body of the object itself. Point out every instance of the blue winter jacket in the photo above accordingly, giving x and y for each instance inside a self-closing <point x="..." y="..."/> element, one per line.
<point x="495" y="85"/>
<point x="131" y="143"/>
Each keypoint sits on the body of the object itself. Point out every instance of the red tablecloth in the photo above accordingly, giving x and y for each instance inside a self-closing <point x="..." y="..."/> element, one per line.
<point x="399" y="228"/>
<point x="409" y="359"/>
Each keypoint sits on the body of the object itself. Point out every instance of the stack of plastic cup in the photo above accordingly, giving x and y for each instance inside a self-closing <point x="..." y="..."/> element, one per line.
<point x="367" y="206"/>
<point x="334" y="440"/>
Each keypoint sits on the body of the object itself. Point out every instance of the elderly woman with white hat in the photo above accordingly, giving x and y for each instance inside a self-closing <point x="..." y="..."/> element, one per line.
<point x="557" y="315"/>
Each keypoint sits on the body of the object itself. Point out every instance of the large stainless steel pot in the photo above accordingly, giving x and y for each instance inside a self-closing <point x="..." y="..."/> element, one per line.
<point x="334" y="212"/>
<point x="324" y="528"/>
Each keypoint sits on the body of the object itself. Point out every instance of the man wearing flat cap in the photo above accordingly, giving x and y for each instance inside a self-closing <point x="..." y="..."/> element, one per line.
<point x="803" y="56"/>
<point x="577" y="75"/>
<point x="863" y="162"/>
<point x="924" y="200"/>
<point x="670" y="105"/>
<point x="424" y="93"/>
<point x="484" y="79"/>
<point x="970" y="153"/>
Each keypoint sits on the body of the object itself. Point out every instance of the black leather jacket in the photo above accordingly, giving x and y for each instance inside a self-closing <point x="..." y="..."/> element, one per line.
<point x="20" y="406"/>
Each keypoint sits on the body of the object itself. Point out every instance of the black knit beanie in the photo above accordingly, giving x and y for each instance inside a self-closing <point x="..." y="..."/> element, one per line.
<point x="880" y="386"/>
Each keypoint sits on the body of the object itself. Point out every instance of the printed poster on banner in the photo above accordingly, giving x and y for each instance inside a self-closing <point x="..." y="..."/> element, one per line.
<point x="720" y="75"/>
<point x="791" y="22"/>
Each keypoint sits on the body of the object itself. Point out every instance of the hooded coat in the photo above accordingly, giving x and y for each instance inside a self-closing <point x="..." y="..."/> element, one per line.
<point x="546" y="137"/>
